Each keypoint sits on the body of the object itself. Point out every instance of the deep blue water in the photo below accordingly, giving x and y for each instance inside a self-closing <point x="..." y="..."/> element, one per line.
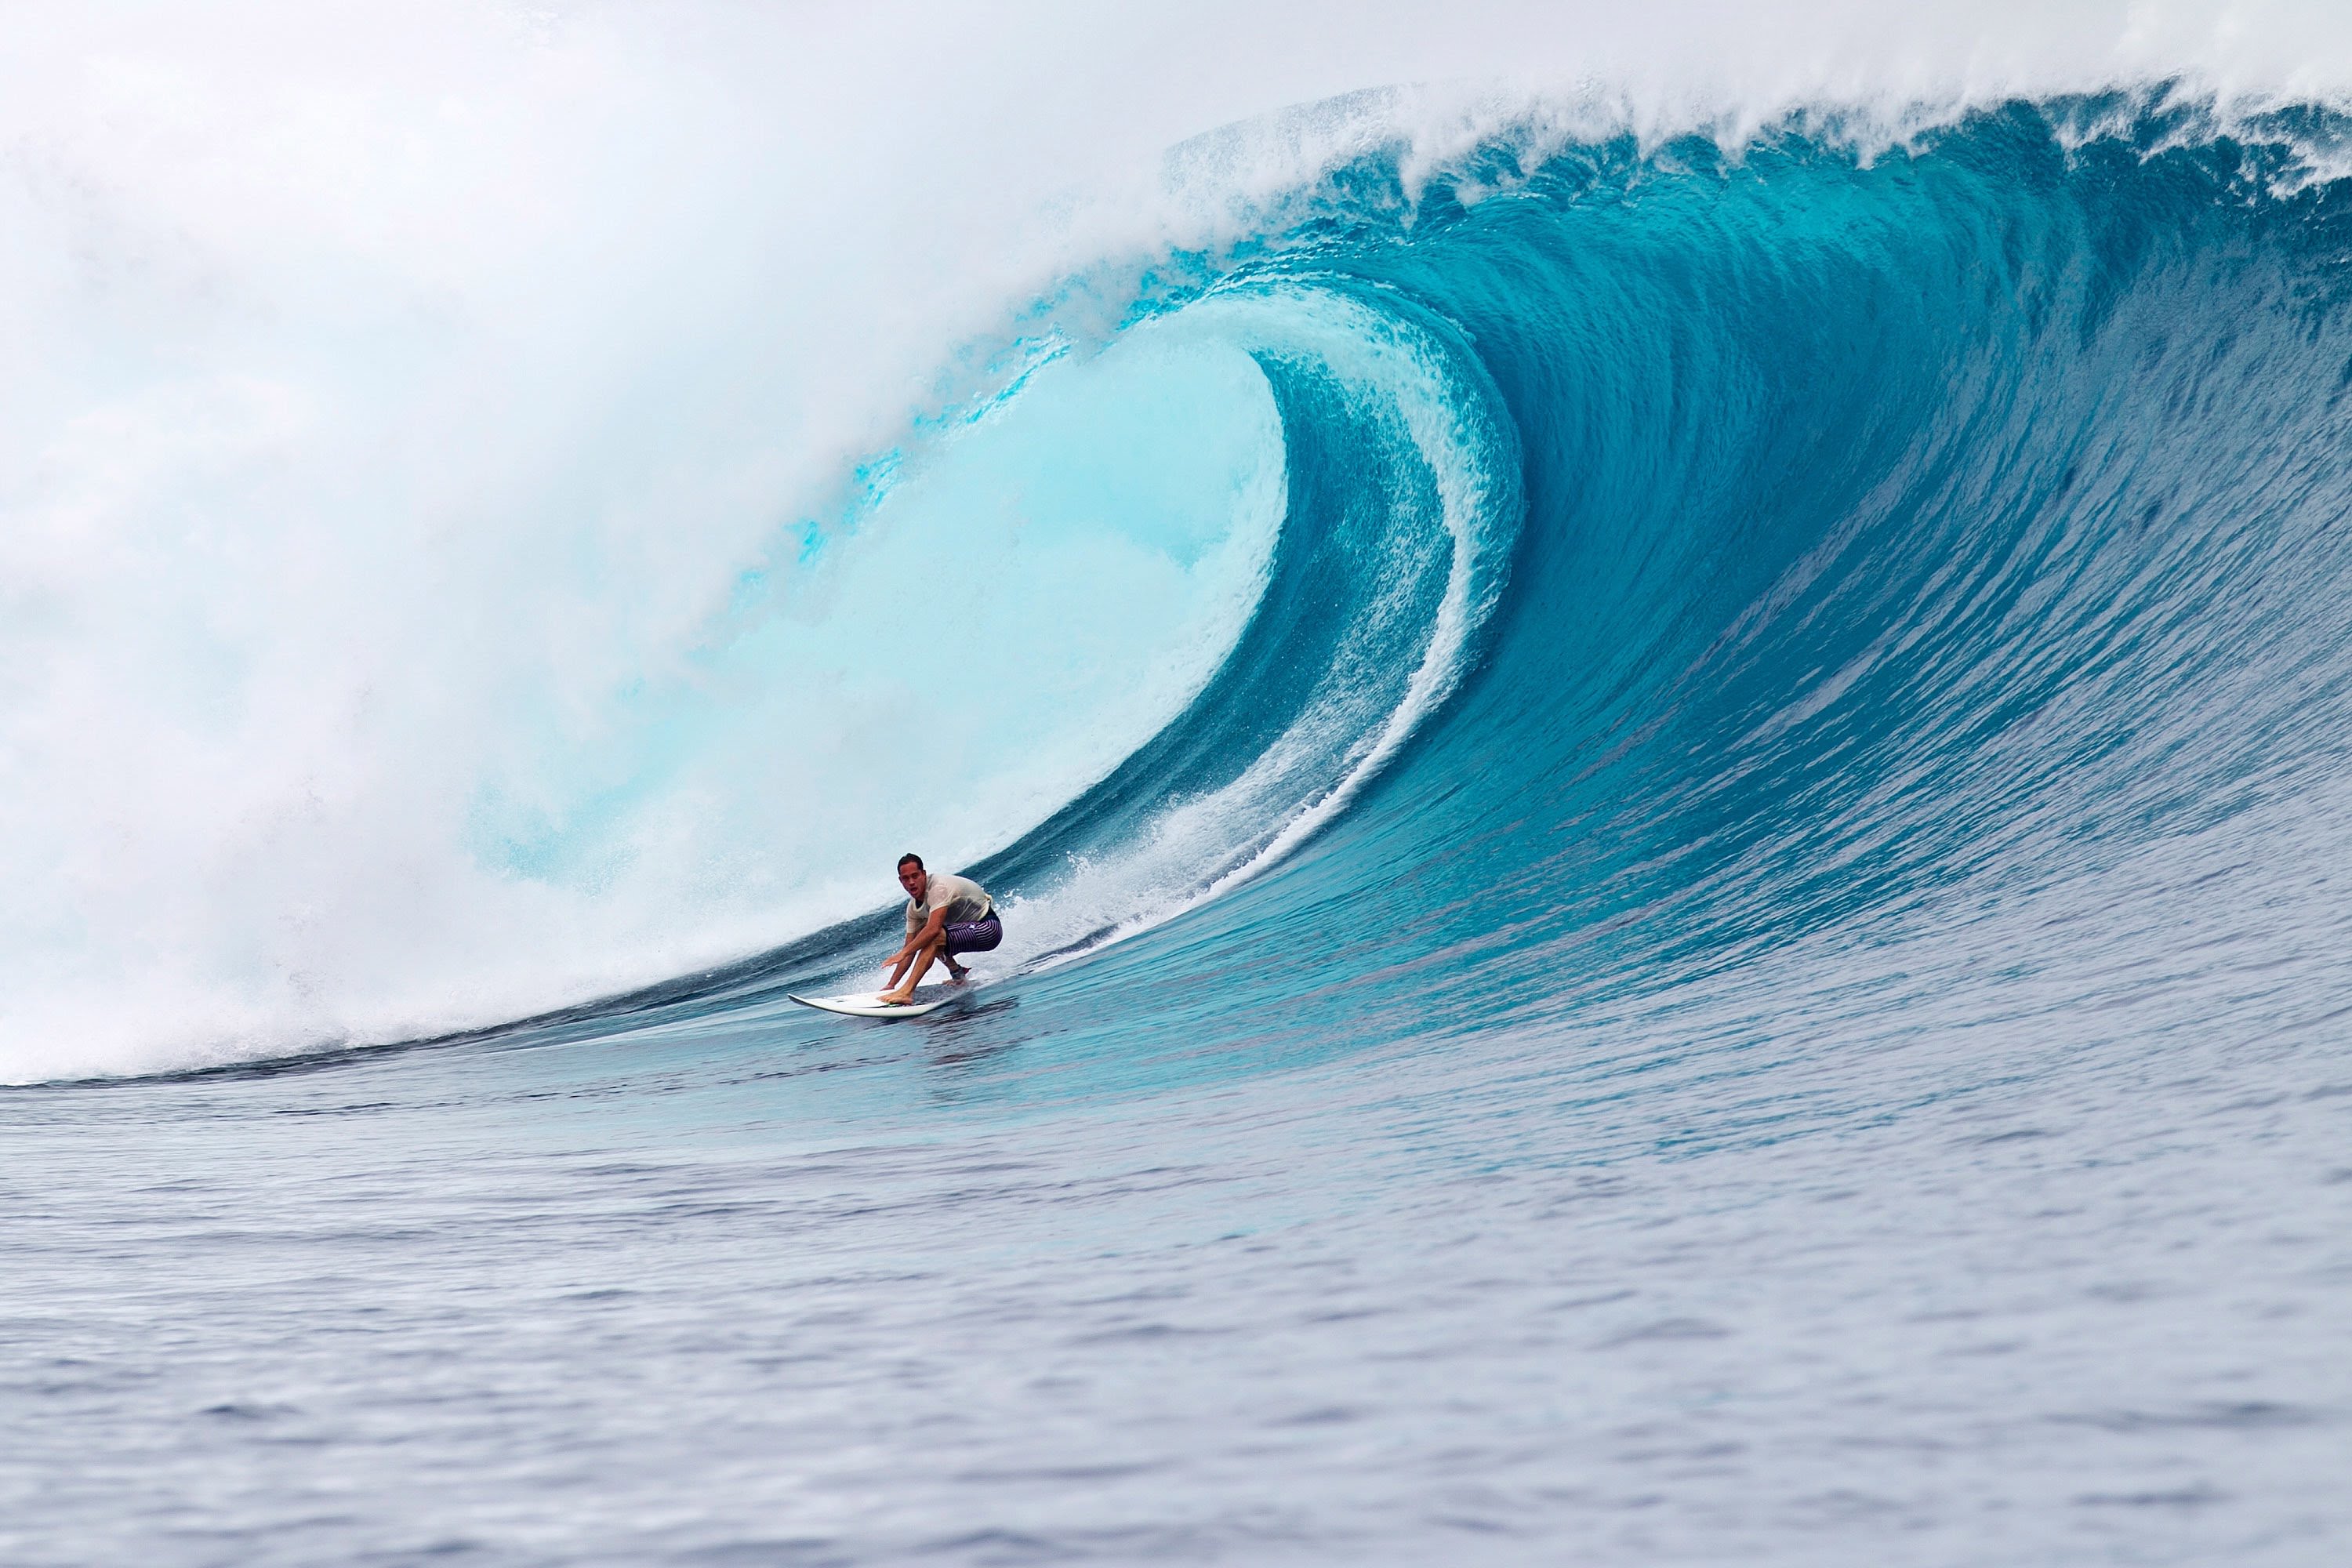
<point x="1743" y="961"/>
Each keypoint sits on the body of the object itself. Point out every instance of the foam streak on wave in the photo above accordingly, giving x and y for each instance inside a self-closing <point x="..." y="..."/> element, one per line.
<point x="1403" y="508"/>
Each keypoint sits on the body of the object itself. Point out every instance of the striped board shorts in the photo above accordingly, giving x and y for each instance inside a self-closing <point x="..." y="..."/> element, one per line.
<point x="975" y="936"/>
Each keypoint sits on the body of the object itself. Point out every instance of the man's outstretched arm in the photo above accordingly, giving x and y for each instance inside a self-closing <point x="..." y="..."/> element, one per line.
<point x="897" y="964"/>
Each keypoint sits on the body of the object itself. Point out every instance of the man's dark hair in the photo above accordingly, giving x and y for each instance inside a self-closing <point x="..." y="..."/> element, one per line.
<point x="916" y="860"/>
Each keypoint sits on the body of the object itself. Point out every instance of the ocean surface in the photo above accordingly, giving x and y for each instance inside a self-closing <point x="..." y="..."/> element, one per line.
<point x="1677" y="893"/>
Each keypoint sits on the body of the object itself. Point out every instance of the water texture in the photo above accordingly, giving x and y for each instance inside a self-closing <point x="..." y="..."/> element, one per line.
<point x="1723" y="943"/>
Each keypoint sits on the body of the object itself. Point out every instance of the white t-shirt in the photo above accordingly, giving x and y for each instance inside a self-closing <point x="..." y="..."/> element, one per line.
<point x="964" y="899"/>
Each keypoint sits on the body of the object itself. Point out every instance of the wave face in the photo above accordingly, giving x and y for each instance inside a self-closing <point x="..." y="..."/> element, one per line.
<point x="1894" y="588"/>
<point x="1605" y="561"/>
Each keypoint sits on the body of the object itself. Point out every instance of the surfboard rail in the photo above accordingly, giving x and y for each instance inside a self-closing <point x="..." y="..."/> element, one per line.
<point x="928" y="999"/>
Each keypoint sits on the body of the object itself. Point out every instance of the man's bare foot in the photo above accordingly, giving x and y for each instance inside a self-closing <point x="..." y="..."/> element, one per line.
<point x="893" y="998"/>
<point x="958" y="974"/>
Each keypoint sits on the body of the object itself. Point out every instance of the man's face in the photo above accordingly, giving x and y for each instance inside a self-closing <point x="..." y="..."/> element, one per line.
<point x="915" y="879"/>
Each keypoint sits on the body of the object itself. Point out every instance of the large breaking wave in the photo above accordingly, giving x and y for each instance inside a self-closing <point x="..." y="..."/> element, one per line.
<point x="1930" y="611"/>
<point x="1580" y="568"/>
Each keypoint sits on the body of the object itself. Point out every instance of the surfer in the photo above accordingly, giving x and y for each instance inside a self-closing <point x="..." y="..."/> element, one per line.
<point x="946" y="915"/>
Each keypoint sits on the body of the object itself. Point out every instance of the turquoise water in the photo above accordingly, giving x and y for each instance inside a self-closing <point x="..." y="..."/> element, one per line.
<point x="1723" y="943"/>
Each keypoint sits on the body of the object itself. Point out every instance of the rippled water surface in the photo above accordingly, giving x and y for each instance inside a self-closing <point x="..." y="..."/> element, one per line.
<point x="1676" y="1294"/>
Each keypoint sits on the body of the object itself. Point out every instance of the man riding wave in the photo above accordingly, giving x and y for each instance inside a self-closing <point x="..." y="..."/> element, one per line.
<point x="946" y="915"/>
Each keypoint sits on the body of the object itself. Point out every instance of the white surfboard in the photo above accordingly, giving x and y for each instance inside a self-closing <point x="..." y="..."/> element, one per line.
<point x="865" y="1004"/>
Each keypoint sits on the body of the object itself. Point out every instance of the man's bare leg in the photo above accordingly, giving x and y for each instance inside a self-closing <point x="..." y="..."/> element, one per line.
<point x="905" y="990"/>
